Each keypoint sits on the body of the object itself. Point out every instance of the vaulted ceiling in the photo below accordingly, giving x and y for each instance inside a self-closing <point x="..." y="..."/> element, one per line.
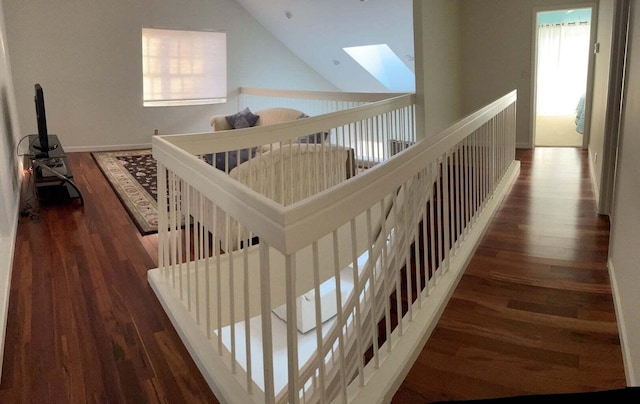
<point x="318" y="30"/>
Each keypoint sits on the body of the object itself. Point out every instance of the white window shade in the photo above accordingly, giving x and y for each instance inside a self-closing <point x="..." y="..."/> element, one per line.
<point x="183" y="67"/>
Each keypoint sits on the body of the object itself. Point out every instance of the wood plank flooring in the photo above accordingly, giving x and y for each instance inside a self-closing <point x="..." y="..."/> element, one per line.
<point x="533" y="312"/>
<point x="84" y="326"/>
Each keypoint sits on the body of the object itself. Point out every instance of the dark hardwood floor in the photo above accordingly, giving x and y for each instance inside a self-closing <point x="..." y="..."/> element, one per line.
<point x="533" y="312"/>
<point x="84" y="326"/>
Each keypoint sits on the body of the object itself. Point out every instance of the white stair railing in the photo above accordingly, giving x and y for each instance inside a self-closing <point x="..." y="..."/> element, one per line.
<point x="312" y="102"/>
<point x="328" y="295"/>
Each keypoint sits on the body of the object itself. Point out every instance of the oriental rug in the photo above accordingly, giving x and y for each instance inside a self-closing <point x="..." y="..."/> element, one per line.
<point x="132" y="175"/>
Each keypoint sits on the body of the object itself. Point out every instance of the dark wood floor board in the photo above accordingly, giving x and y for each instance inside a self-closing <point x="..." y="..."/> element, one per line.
<point x="500" y="336"/>
<point x="540" y="333"/>
<point x="548" y="251"/>
<point x="485" y="265"/>
<point x="443" y="388"/>
<point x="592" y="242"/>
<point x="550" y="228"/>
<point x="489" y="370"/>
<point x="533" y="312"/>
<point x="84" y="324"/>
<point x="515" y="256"/>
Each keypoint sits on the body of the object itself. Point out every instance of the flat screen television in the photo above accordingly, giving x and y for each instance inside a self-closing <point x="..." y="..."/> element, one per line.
<point x="43" y="136"/>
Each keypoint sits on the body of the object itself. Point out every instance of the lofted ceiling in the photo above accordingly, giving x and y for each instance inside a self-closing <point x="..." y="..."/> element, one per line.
<point x="318" y="30"/>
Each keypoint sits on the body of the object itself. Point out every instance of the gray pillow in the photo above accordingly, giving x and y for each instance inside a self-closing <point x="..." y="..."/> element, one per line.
<point x="316" y="138"/>
<point x="242" y="119"/>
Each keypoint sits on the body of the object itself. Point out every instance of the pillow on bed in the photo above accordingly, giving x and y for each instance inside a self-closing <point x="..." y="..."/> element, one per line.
<point x="227" y="161"/>
<point x="312" y="139"/>
<point x="242" y="119"/>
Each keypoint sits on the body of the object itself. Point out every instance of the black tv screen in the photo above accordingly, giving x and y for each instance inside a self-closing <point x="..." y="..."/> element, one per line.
<point x="43" y="135"/>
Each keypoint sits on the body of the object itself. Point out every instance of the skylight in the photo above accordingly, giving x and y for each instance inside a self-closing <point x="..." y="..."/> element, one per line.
<point x="385" y="66"/>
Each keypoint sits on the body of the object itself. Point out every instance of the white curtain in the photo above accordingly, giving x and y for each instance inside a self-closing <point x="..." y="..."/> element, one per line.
<point x="563" y="56"/>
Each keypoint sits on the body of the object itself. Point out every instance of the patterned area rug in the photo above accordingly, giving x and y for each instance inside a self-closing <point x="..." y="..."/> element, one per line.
<point x="132" y="175"/>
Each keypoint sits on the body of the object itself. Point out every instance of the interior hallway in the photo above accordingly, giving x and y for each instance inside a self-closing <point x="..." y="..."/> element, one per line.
<point x="533" y="312"/>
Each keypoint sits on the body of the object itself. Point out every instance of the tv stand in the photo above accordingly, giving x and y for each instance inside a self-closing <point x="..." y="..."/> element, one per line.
<point x="43" y="153"/>
<point x="51" y="175"/>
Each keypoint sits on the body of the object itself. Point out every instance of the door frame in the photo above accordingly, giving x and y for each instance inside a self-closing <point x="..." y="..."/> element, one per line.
<point x="621" y="21"/>
<point x="590" y="67"/>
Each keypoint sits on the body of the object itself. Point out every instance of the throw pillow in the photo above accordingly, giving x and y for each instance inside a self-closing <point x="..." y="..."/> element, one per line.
<point x="227" y="161"/>
<point x="312" y="139"/>
<point x="316" y="138"/>
<point x="242" y="119"/>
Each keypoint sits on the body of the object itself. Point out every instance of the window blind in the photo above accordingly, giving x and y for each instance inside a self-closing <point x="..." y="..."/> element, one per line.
<point x="183" y="67"/>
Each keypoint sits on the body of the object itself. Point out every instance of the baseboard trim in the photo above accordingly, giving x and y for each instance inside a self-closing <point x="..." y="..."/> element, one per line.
<point x="626" y="354"/>
<point x="594" y="183"/>
<point x="72" y="149"/>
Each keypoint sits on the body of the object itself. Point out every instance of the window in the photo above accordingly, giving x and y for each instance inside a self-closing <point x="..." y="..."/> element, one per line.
<point x="383" y="64"/>
<point x="183" y="67"/>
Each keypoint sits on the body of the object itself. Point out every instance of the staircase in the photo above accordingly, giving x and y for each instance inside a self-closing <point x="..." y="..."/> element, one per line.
<point x="393" y="241"/>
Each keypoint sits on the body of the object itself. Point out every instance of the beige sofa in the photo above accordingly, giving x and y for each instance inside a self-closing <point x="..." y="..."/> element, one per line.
<point x="267" y="116"/>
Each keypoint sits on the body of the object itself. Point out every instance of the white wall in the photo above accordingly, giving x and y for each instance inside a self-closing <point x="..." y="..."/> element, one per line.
<point x="438" y="64"/>
<point x="624" y="251"/>
<point x="10" y="166"/>
<point x="497" y="39"/>
<point x="87" y="57"/>
<point x="10" y="178"/>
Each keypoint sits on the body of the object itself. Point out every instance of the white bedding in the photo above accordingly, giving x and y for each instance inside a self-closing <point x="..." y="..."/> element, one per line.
<point x="286" y="174"/>
<point x="291" y="173"/>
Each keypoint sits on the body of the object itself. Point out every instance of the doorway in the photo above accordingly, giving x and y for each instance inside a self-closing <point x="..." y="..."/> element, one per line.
<point x="562" y="43"/>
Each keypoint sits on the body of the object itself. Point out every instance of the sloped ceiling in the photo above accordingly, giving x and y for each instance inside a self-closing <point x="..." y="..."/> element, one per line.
<point x="318" y="30"/>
